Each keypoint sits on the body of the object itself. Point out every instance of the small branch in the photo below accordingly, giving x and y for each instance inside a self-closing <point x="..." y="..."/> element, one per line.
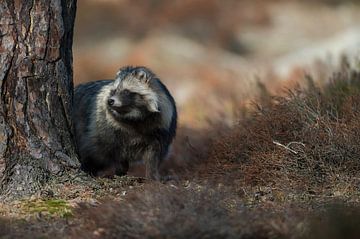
<point x="295" y="142"/>
<point x="285" y="147"/>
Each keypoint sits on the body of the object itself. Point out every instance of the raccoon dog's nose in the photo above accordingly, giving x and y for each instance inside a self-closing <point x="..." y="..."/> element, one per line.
<point x="114" y="102"/>
<point x="111" y="102"/>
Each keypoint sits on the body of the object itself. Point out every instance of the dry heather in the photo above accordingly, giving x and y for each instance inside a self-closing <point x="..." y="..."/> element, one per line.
<point x="272" y="175"/>
<point x="183" y="212"/>
<point x="306" y="143"/>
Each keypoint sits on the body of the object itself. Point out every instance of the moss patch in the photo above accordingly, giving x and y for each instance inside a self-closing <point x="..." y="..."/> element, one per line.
<point x="52" y="207"/>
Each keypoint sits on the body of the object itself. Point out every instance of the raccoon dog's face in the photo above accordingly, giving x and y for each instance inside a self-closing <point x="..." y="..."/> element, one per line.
<point x="132" y="97"/>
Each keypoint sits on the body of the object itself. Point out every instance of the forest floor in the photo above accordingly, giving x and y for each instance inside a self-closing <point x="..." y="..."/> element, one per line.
<point x="288" y="169"/>
<point x="266" y="151"/>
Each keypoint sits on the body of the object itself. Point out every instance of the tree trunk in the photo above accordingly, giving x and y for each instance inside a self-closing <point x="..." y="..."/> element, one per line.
<point x="36" y="143"/>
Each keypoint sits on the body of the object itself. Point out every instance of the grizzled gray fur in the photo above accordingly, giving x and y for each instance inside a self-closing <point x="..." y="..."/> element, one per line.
<point x="127" y="119"/>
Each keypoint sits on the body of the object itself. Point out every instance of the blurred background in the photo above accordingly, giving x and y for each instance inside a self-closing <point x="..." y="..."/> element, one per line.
<point x="213" y="54"/>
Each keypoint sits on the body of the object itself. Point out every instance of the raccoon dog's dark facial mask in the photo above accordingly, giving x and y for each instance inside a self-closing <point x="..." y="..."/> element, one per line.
<point x="125" y="104"/>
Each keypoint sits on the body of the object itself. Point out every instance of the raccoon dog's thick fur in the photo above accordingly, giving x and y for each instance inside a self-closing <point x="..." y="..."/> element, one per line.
<point x="127" y="119"/>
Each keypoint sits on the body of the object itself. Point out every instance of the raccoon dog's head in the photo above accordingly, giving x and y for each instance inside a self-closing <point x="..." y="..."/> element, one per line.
<point x="132" y="96"/>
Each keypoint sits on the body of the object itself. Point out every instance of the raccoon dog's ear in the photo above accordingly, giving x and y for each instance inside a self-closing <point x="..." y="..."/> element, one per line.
<point x="117" y="82"/>
<point x="118" y="77"/>
<point x="118" y="73"/>
<point x="142" y="75"/>
<point x="153" y="106"/>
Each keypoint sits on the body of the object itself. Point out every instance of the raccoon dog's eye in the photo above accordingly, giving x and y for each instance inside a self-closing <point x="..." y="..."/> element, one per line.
<point x="126" y="92"/>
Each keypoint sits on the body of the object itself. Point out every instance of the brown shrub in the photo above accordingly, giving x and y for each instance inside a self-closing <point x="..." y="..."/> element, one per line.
<point x="308" y="140"/>
<point x="260" y="179"/>
<point x="177" y="212"/>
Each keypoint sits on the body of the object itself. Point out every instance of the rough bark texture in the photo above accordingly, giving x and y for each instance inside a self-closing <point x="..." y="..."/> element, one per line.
<point x="35" y="93"/>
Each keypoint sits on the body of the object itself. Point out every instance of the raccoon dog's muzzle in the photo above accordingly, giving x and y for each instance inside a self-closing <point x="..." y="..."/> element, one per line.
<point x="122" y="105"/>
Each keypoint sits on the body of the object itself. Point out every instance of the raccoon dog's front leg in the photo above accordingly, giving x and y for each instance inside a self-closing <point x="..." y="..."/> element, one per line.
<point x="122" y="168"/>
<point x="152" y="161"/>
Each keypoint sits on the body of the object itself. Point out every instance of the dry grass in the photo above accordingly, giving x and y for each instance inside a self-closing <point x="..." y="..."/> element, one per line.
<point x="171" y="211"/>
<point x="269" y="176"/>
<point x="262" y="179"/>
<point x="307" y="142"/>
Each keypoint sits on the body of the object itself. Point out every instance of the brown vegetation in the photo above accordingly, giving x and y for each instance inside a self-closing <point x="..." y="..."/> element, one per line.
<point x="181" y="212"/>
<point x="261" y="179"/>
<point x="270" y="176"/>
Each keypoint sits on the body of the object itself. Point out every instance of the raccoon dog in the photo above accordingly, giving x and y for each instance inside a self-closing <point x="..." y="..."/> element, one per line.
<point x="127" y="119"/>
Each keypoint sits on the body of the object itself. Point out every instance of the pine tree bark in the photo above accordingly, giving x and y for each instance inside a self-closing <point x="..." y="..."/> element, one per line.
<point x="36" y="88"/>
